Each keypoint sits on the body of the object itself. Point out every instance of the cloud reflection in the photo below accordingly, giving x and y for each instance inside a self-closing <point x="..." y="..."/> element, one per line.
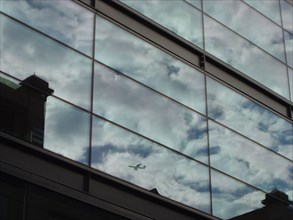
<point x="287" y="11"/>
<point x="256" y="27"/>
<point x="249" y="119"/>
<point x="172" y="175"/>
<point x="270" y="9"/>
<point x="66" y="130"/>
<point x="63" y="20"/>
<point x="245" y="57"/>
<point x="25" y="52"/>
<point x="231" y="198"/>
<point x="248" y="161"/>
<point x="289" y="47"/>
<point x="140" y="60"/>
<point x="144" y="111"/>
<point x="177" y="16"/>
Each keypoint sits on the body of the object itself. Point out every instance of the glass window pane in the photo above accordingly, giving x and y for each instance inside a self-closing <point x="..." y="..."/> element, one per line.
<point x="249" y="118"/>
<point x="271" y="9"/>
<point x="146" y="164"/>
<point x="196" y="3"/>
<point x="25" y="52"/>
<point x="140" y="60"/>
<point x="289" y="47"/>
<point x="287" y="18"/>
<point x="63" y="20"/>
<point x="66" y="130"/>
<point x="231" y="198"/>
<point x="177" y="16"/>
<point x="248" y="23"/>
<point x="290" y="72"/>
<point x="247" y="161"/>
<point x="242" y="55"/>
<point x="140" y="109"/>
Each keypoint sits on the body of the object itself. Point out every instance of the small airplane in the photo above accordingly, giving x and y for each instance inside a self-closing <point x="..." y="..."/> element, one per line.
<point x="138" y="166"/>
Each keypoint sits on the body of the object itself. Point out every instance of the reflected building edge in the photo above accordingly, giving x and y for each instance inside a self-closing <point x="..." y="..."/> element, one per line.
<point x="273" y="209"/>
<point x="22" y="108"/>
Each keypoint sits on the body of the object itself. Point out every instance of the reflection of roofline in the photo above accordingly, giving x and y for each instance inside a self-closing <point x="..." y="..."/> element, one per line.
<point x="38" y="84"/>
<point x="276" y="196"/>
<point x="9" y="83"/>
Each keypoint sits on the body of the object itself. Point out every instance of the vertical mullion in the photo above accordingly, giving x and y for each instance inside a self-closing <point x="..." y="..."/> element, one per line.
<point x="92" y="91"/>
<point x="202" y="26"/>
<point x="206" y="113"/>
<point x="285" y="51"/>
<point x="208" y="143"/>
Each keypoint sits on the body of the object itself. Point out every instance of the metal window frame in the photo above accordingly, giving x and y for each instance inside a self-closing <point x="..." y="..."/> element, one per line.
<point x="166" y="40"/>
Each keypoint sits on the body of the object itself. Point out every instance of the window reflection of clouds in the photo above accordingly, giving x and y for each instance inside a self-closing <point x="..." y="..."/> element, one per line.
<point x="172" y="175"/>
<point x="249" y="119"/>
<point x="245" y="57"/>
<point x="66" y="130"/>
<point x="144" y="111"/>
<point x="270" y="9"/>
<point x="256" y="27"/>
<point x="289" y="47"/>
<point x="149" y="65"/>
<point x="196" y="3"/>
<point x="63" y="20"/>
<point x="24" y="52"/>
<point x="231" y="198"/>
<point x="177" y="16"/>
<point x="255" y="162"/>
<point x="287" y="18"/>
<point x="290" y="72"/>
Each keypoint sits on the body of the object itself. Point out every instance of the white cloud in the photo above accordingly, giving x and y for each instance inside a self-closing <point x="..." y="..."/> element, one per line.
<point x="249" y="118"/>
<point x="142" y="110"/>
<point x="248" y="161"/>
<point x="149" y="65"/>
<point x="172" y="175"/>
<point x="245" y="57"/>
<point x="63" y="20"/>
<point x="24" y="53"/>
<point x="66" y="130"/>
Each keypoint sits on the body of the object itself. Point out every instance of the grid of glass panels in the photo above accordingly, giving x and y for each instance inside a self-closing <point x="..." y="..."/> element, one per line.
<point x="125" y="102"/>
<point x="252" y="36"/>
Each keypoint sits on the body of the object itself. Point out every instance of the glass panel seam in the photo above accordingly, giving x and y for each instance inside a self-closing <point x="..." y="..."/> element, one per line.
<point x="242" y="135"/>
<point x="52" y="95"/>
<point x="253" y="99"/>
<point x="247" y="184"/>
<point x="152" y="89"/>
<point x="202" y="25"/>
<point x="160" y="26"/>
<point x="286" y="58"/>
<point x="208" y="144"/>
<point x="199" y="49"/>
<point x="239" y="180"/>
<point x="160" y="47"/>
<point x="261" y="13"/>
<point x="260" y="48"/>
<point x="149" y="139"/>
<point x="44" y="34"/>
<point x="92" y="91"/>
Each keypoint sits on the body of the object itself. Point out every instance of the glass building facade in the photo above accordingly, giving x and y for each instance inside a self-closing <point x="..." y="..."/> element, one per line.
<point x="128" y="107"/>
